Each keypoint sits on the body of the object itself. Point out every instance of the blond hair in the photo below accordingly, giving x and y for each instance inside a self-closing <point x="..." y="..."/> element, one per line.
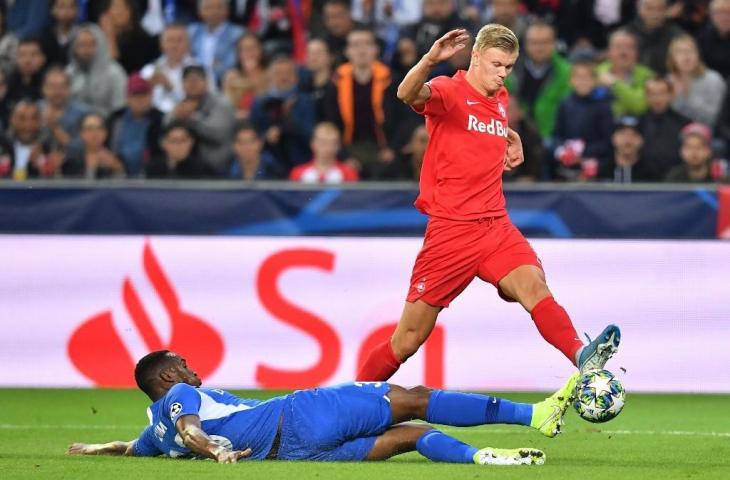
<point x="494" y="35"/>
<point x="672" y="66"/>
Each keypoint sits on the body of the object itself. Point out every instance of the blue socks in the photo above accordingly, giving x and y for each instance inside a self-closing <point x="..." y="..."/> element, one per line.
<point x="469" y="409"/>
<point x="439" y="447"/>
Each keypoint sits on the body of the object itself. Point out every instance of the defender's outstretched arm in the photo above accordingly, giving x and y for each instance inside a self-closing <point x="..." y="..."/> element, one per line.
<point x="111" y="448"/>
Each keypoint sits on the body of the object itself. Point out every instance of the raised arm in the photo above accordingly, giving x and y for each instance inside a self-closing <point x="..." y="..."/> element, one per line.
<point x="194" y="438"/>
<point x="413" y="90"/>
<point x="111" y="448"/>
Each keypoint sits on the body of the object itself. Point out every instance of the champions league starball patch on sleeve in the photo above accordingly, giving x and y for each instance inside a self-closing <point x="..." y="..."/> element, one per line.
<point x="175" y="409"/>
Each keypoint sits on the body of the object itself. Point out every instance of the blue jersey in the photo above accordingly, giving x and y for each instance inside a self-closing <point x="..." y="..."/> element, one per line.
<point x="233" y="422"/>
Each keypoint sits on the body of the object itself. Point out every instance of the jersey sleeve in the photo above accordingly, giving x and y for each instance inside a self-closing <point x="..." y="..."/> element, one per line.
<point x="145" y="445"/>
<point x="441" y="99"/>
<point x="182" y="399"/>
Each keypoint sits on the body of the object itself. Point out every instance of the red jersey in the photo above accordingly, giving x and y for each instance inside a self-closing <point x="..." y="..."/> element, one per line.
<point x="338" y="173"/>
<point x="461" y="177"/>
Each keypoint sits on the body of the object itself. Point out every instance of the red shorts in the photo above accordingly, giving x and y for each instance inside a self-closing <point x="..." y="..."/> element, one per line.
<point x="454" y="252"/>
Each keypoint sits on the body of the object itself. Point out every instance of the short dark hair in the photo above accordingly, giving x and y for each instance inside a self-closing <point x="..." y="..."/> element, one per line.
<point x="343" y="3"/>
<point x="243" y="125"/>
<point x="179" y="124"/>
<point x="31" y="41"/>
<point x="147" y="369"/>
<point x="190" y="69"/>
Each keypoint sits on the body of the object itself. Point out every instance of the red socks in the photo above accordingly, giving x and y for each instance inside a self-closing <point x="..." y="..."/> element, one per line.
<point x="380" y="365"/>
<point x="554" y="325"/>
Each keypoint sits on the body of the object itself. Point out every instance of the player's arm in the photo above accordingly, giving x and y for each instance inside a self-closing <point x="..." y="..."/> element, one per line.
<point x="111" y="448"/>
<point x="194" y="438"/>
<point x="413" y="89"/>
<point x="514" y="155"/>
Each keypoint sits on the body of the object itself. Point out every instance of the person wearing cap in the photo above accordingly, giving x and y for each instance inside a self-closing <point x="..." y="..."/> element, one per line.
<point x="627" y="142"/>
<point x="135" y="129"/>
<point x="696" y="152"/>
<point x="210" y="116"/>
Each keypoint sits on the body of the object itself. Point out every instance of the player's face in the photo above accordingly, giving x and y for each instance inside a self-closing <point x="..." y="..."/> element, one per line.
<point x="183" y="373"/>
<point x="492" y="66"/>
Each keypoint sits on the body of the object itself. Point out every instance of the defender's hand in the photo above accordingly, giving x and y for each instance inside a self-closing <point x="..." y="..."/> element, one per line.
<point x="446" y="46"/>
<point x="232" y="456"/>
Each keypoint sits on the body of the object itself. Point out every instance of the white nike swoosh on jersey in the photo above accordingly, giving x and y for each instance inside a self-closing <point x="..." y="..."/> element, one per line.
<point x="469" y="102"/>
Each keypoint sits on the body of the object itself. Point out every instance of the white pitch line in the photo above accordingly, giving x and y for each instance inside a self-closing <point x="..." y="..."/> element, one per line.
<point x="681" y="433"/>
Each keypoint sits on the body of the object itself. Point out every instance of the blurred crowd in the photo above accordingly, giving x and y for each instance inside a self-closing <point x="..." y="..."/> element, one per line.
<point x="604" y="90"/>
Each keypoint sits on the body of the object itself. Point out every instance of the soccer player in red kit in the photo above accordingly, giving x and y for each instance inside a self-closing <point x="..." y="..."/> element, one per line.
<point x="469" y="233"/>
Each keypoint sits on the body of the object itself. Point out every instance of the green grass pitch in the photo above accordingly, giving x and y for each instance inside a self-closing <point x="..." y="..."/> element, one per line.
<point x="656" y="437"/>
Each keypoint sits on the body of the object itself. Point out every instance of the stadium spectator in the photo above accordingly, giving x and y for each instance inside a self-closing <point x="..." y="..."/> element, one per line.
<point x="250" y="161"/>
<point x="627" y="141"/>
<point x="585" y="24"/>
<point x="408" y="162"/>
<point x="697" y="89"/>
<point x="541" y="78"/>
<point x="57" y="38"/>
<point x="96" y="79"/>
<point x="61" y="115"/>
<point x="179" y="158"/>
<point x="26" y="79"/>
<point x="387" y="18"/>
<point x="8" y="46"/>
<point x="316" y="79"/>
<point x="213" y="40"/>
<point x="338" y="22"/>
<point x="439" y="17"/>
<point x="722" y="127"/>
<point x="324" y="166"/>
<point x="157" y="14"/>
<point x="95" y="160"/>
<point x="248" y="79"/>
<point x="653" y="33"/>
<point x="28" y="152"/>
<point x="358" y="105"/>
<point x="4" y="105"/>
<point x="284" y="116"/>
<point x="279" y="24"/>
<point x="507" y="13"/>
<point x="28" y="18"/>
<point x="690" y="15"/>
<point x="714" y="39"/>
<point x="165" y="73"/>
<point x="696" y="152"/>
<point x="209" y="116"/>
<point x="134" y="131"/>
<point x="583" y="128"/>
<point x="127" y="41"/>
<point x="623" y="76"/>
<point x="660" y="127"/>
<point x="532" y="169"/>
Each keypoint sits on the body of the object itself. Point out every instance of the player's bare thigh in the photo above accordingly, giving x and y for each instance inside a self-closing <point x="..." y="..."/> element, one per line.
<point x="415" y="325"/>
<point x="526" y="284"/>
<point x="397" y="440"/>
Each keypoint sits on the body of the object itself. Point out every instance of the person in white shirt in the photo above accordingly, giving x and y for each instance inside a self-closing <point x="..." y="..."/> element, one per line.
<point x="165" y="73"/>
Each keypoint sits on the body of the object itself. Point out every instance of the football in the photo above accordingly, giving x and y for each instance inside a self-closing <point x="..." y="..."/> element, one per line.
<point x="599" y="396"/>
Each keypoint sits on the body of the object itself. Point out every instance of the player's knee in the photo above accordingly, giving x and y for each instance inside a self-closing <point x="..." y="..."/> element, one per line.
<point x="418" y="400"/>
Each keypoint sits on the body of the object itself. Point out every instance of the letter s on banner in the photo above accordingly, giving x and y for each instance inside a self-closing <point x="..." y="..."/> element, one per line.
<point x="291" y="314"/>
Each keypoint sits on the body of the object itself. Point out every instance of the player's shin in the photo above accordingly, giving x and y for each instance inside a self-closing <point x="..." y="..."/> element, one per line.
<point x="469" y="409"/>
<point x="380" y="365"/>
<point x="439" y="447"/>
<point x="555" y="326"/>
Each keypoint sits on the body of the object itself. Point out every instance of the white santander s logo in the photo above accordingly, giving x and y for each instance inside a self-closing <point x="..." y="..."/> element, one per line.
<point x="494" y="127"/>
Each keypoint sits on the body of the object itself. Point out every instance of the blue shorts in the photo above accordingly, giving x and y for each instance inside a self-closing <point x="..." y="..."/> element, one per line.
<point x="334" y="424"/>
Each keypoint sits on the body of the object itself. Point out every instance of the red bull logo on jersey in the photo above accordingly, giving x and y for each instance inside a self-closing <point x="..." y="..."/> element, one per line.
<point x="494" y="127"/>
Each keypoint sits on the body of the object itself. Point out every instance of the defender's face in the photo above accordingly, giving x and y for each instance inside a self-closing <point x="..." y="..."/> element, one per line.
<point x="492" y="66"/>
<point x="180" y="370"/>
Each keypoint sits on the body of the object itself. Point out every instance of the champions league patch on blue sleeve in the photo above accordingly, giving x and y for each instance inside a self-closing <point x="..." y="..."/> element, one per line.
<point x="182" y="399"/>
